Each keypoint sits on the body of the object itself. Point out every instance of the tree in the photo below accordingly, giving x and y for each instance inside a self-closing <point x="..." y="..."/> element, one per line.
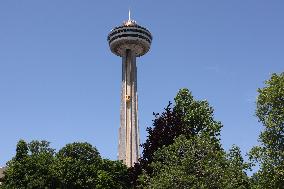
<point x="183" y="150"/>
<point x="188" y="117"/>
<point x="113" y="175"/>
<point x="182" y="165"/>
<point x="21" y="151"/>
<point x="75" y="166"/>
<point x="30" y="166"/>
<point x="196" y="163"/>
<point x="79" y="165"/>
<point x="235" y="173"/>
<point x="270" y="154"/>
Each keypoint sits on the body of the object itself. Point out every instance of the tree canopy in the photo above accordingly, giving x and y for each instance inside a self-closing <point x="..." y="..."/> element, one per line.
<point x="183" y="150"/>
<point x="75" y="166"/>
<point x="30" y="166"/>
<point x="197" y="163"/>
<point x="270" y="154"/>
<point x="188" y="117"/>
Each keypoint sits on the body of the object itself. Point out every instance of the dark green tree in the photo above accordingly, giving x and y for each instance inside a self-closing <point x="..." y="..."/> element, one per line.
<point x="270" y="154"/>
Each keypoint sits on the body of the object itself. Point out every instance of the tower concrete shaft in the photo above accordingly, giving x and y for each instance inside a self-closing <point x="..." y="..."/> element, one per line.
<point x="128" y="149"/>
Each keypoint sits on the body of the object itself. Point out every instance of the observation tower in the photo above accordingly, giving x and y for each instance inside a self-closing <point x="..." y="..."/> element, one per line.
<point x="129" y="41"/>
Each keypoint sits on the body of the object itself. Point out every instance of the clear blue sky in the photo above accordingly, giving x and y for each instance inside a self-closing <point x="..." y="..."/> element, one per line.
<point x="59" y="81"/>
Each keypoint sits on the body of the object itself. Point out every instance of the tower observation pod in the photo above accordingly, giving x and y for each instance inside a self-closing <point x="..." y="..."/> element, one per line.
<point x="129" y="41"/>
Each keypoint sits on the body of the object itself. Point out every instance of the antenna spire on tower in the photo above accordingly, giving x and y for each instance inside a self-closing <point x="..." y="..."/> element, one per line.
<point x="129" y="22"/>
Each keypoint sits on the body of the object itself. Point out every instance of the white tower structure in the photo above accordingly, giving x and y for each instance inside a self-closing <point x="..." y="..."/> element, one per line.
<point x="129" y="41"/>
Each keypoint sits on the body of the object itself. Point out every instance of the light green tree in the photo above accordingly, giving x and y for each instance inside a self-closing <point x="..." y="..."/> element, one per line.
<point x="270" y="154"/>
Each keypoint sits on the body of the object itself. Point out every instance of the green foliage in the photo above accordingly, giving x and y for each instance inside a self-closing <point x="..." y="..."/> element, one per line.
<point x="183" y="165"/>
<point x="197" y="116"/>
<point x="236" y="168"/>
<point x="21" y="150"/>
<point x="75" y="166"/>
<point x="30" y="167"/>
<point x="270" y="155"/>
<point x="197" y="163"/>
<point x="183" y="150"/>
<point x="188" y="117"/>
<point x="113" y="175"/>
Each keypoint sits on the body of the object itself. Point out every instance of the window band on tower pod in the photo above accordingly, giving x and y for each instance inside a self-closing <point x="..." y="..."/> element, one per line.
<point x="130" y="35"/>
<point x="129" y="30"/>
